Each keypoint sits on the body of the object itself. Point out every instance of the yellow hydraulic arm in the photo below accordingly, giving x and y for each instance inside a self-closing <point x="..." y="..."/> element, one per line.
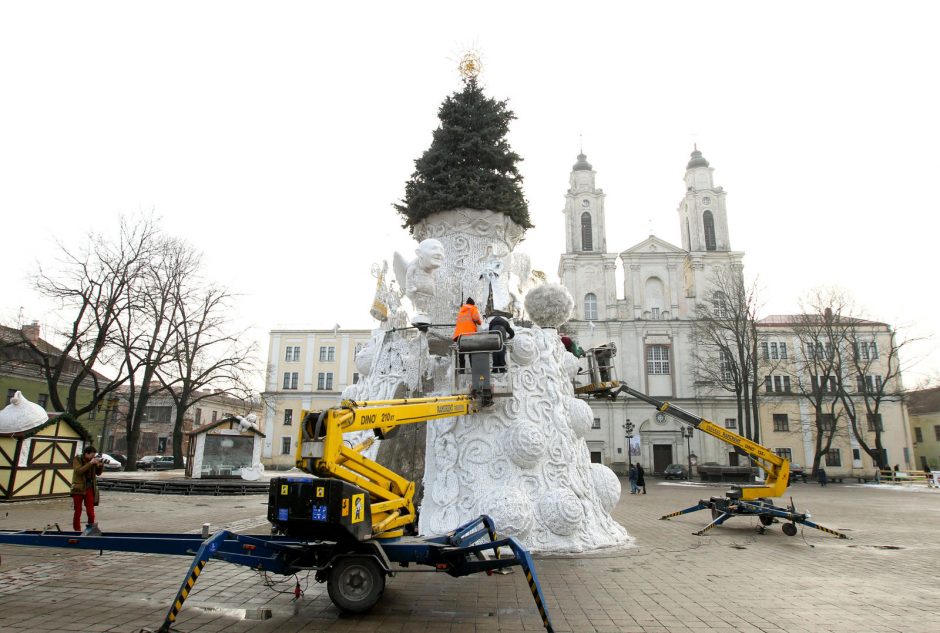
<point x="776" y="467"/>
<point x="322" y="452"/>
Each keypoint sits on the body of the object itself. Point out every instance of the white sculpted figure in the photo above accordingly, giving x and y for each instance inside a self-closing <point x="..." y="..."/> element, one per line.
<point x="417" y="277"/>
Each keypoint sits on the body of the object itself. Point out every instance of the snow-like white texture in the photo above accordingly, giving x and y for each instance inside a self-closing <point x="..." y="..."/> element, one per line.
<point x="250" y="421"/>
<point x="607" y="486"/>
<point x="21" y="415"/>
<point x="253" y="472"/>
<point x="522" y="460"/>
<point x="525" y="449"/>
<point x="549" y="305"/>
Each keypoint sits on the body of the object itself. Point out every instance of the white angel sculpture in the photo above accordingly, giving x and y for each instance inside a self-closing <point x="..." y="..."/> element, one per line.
<point x="417" y="277"/>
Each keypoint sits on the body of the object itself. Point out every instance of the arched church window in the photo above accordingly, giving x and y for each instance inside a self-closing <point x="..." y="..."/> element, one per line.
<point x="709" y="224"/>
<point x="587" y="242"/>
<point x="590" y="307"/>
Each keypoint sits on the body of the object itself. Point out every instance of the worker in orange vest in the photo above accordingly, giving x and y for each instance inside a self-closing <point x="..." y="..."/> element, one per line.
<point x="467" y="321"/>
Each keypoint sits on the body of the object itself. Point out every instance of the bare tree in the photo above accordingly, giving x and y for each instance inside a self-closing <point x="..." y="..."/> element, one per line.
<point x="146" y="332"/>
<point x="876" y="369"/>
<point x="91" y="285"/>
<point x="726" y="344"/>
<point x="206" y="354"/>
<point x="822" y="331"/>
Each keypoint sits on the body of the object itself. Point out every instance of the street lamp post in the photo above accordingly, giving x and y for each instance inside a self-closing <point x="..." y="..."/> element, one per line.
<point x="687" y="434"/>
<point x="628" y="434"/>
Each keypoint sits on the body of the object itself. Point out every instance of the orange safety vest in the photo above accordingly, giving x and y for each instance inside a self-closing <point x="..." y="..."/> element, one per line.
<point x="467" y="320"/>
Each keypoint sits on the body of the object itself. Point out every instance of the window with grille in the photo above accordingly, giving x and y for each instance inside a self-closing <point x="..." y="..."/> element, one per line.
<point x="827" y="422"/>
<point x="874" y="422"/>
<point x="590" y="307"/>
<point x="657" y="360"/>
<point x="596" y="424"/>
<point x="833" y="457"/>
<point x="288" y="417"/>
<point x="781" y="422"/>
<point x="731" y="423"/>
<point x="786" y="453"/>
<point x="285" y="446"/>
<point x="587" y="238"/>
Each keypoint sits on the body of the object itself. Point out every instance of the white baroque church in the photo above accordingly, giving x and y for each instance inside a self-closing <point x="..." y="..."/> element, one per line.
<point x="649" y="319"/>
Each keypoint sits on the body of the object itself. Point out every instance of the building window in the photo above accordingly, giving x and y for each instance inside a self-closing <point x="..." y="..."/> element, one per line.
<point x="322" y="354"/>
<point x="785" y="453"/>
<point x="866" y="350"/>
<point x="936" y="432"/>
<point x="43" y="400"/>
<point x="778" y="384"/>
<point x="293" y="354"/>
<point x="827" y="422"/>
<point x="10" y="394"/>
<point x="874" y="422"/>
<point x="725" y="365"/>
<point x="596" y="424"/>
<point x="285" y="446"/>
<point x="198" y="415"/>
<point x="709" y="223"/>
<point x="869" y="384"/>
<point x="587" y="241"/>
<point x="773" y="350"/>
<point x="825" y="384"/>
<point x="731" y="423"/>
<point x="590" y="307"/>
<point x="918" y="434"/>
<point x="159" y="415"/>
<point x="288" y="417"/>
<point x="781" y="422"/>
<point x="355" y="378"/>
<point x="654" y="314"/>
<point x="856" y="454"/>
<point x="833" y="457"/>
<point x="325" y="381"/>
<point x="290" y="379"/>
<point x="657" y="360"/>
<point x="215" y="416"/>
<point x="720" y="304"/>
<point x="328" y="354"/>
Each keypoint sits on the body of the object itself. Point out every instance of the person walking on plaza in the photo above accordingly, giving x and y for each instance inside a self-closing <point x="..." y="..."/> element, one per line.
<point x="823" y="478"/>
<point x="85" y="470"/>
<point x="640" y="479"/>
<point x="633" y="488"/>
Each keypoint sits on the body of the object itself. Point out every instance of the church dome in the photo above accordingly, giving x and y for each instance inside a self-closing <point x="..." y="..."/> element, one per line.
<point x="582" y="164"/>
<point x="697" y="160"/>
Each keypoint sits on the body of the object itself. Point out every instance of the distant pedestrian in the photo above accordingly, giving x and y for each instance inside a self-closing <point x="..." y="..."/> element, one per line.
<point x="85" y="470"/>
<point x="821" y="476"/>
<point x="633" y="488"/>
<point x="640" y="479"/>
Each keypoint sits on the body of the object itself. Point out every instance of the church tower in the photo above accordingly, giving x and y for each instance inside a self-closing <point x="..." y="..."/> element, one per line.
<point x="702" y="215"/>
<point x="586" y="269"/>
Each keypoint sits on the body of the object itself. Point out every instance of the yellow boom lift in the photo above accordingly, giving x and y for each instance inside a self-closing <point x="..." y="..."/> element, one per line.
<point x="745" y="500"/>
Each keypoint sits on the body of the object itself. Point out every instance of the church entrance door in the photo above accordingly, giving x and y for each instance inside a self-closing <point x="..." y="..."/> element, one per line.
<point x="662" y="457"/>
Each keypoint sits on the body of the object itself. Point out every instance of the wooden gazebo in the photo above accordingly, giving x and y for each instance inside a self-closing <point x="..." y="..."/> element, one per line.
<point x="36" y="451"/>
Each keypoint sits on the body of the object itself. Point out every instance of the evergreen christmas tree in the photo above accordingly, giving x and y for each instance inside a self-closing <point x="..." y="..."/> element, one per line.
<point x="469" y="163"/>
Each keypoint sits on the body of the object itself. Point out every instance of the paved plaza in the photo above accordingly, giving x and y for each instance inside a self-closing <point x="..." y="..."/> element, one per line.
<point x="883" y="579"/>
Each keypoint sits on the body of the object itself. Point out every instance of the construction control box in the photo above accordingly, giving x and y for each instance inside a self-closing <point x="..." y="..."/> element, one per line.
<point x="315" y="509"/>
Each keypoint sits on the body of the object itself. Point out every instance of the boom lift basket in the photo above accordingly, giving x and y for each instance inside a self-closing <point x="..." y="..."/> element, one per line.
<point x="601" y="373"/>
<point x="485" y="380"/>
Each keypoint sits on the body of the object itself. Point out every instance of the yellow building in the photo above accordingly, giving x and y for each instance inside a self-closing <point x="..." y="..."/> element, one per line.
<point x="306" y="369"/>
<point x="924" y="406"/>
<point x="794" y="383"/>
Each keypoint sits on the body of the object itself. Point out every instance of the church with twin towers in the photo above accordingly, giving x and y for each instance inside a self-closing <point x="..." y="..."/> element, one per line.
<point x="649" y="318"/>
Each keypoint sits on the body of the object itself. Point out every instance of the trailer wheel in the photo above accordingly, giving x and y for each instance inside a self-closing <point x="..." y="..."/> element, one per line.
<point x="766" y="520"/>
<point x="356" y="583"/>
<point x="789" y="529"/>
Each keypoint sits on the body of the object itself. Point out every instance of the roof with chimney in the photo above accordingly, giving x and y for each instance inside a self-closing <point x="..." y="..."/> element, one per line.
<point x="16" y="350"/>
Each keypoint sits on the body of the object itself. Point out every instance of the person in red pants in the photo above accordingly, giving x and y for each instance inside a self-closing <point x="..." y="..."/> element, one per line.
<point x="85" y="471"/>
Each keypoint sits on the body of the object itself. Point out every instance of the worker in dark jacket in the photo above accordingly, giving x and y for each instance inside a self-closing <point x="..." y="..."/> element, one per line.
<point x="85" y="470"/>
<point x="504" y="327"/>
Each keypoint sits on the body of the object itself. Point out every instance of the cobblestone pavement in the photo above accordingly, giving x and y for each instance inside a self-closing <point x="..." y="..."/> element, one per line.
<point x="883" y="579"/>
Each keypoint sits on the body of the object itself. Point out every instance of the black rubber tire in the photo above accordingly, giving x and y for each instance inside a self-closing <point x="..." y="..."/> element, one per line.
<point x="356" y="583"/>
<point x="766" y="520"/>
<point x="789" y="529"/>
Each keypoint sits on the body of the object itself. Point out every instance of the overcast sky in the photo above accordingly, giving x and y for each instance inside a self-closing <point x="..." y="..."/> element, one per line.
<point x="276" y="136"/>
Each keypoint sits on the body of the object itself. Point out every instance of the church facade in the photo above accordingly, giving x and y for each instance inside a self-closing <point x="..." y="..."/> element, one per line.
<point x="649" y="316"/>
<point x="649" y="319"/>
